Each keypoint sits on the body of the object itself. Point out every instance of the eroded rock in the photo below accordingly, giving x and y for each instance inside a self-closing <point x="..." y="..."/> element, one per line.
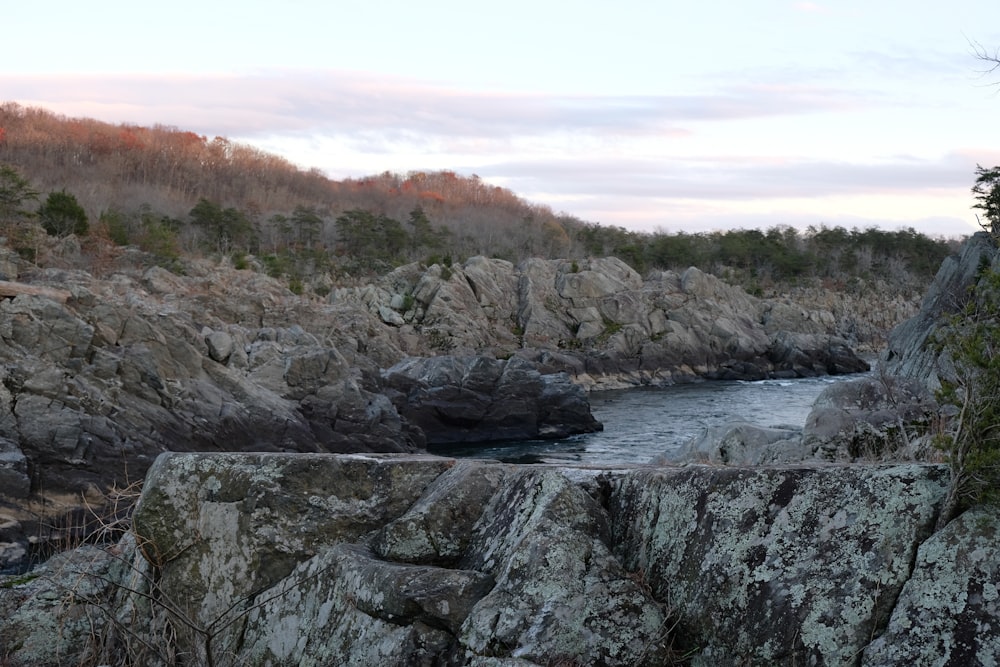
<point x="289" y="559"/>
<point x="776" y="565"/>
<point x="481" y="399"/>
<point x="948" y="613"/>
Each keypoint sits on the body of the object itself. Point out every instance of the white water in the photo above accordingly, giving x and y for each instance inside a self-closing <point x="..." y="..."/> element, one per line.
<point x="641" y="424"/>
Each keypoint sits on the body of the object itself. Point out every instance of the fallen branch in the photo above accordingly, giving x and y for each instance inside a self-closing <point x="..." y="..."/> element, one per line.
<point x="10" y="290"/>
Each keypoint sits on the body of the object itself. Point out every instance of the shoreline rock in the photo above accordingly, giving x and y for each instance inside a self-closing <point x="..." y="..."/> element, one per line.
<point x="410" y="559"/>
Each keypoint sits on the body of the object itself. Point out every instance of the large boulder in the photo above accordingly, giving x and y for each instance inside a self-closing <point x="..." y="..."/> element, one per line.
<point x="776" y="565"/>
<point x="742" y="443"/>
<point x="809" y="355"/>
<point x="873" y="418"/>
<point x="482" y="399"/>
<point x="948" y="610"/>
<point x="289" y="559"/>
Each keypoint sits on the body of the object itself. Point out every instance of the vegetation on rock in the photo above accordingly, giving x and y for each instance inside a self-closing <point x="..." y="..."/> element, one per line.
<point x="970" y="385"/>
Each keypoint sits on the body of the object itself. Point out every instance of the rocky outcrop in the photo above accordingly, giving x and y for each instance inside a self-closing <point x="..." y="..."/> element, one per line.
<point x="911" y="351"/>
<point x="776" y="565"/>
<point x="94" y="389"/>
<point x="602" y="323"/>
<point x="478" y="399"/>
<point x="947" y="612"/>
<point x="875" y="418"/>
<point x="741" y="444"/>
<point x="869" y="419"/>
<point x="283" y="559"/>
<point x="101" y="375"/>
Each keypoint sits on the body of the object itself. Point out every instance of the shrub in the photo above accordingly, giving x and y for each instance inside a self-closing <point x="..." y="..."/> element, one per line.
<point x="62" y="215"/>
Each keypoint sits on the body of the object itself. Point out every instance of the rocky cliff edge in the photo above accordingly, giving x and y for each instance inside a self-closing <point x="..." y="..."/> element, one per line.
<point x="279" y="559"/>
<point x="101" y="375"/>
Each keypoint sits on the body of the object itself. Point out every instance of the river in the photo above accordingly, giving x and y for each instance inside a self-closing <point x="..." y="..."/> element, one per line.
<point x="640" y="424"/>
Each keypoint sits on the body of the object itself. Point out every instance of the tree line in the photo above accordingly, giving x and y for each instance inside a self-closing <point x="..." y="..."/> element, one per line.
<point x="173" y="193"/>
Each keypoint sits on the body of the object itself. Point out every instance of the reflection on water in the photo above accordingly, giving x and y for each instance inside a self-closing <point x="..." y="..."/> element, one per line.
<point x="640" y="424"/>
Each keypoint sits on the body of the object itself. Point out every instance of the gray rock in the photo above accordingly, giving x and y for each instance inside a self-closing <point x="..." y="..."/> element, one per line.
<point x="776" y="565"/>
<point x="345" y="607"/>
<point x="873" y="418"/>
<point x="224" y="527"/>
<point x="481" y="399"/>
<point x="438" y="528"/>
<point x="742" y="443"/>
<point x="808" y="355"/>
<point x="910" y="351"/>
<point x="558" y="586"/>
<point x="348" y="559"/>
<point x="65" y="612"/>
<point x="14" y="482"/>
<point x="948" y="611"/>
<point x="220" y="346"/>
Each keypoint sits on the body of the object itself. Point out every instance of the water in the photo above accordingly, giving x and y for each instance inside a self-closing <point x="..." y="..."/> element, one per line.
<point x="641" y="424"/>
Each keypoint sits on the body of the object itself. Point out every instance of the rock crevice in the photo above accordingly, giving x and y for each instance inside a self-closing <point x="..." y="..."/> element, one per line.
<point x="404" y="559"/>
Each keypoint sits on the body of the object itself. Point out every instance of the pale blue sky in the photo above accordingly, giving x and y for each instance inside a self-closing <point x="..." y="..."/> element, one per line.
<point x="673" y="115"/>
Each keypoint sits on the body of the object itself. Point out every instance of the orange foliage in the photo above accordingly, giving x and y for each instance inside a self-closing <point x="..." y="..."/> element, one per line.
<point x="431" y="195"/>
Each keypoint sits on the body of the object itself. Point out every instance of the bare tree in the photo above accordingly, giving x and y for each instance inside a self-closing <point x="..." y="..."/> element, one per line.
<point x="990" y="60"/>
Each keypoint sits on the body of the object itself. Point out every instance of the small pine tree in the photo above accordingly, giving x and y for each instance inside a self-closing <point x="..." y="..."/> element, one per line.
<point x="62" y="215"/>
<point x="987" y="191"/>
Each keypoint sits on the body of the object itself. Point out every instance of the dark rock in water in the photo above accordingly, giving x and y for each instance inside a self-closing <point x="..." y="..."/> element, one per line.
<point x="809" y="355"/>
<point x="481" y="399"/>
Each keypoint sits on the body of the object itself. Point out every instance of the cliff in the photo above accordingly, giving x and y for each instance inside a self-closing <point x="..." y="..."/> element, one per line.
<point x="100" y="375"/>
<point x="284" y="559"/>
<point x="604" y="324"/>
<point x="403" y="558"/>
<point x="910" y="351"/>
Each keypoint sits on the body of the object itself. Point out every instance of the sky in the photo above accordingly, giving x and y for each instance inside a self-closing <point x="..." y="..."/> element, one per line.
<point x="649" y="115"/>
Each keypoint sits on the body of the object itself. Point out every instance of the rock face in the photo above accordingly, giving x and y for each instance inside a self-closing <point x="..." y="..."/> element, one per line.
<point x="478" y="399"/>
<point x="303" y="559"/>
<point x="99" y="376"/>
<point x="93" y="390"/>
<point x="876" y="418"/>
<point x="776" y="566"/>
<point x="602" y="323"/>
<point x="947" y="611"/>
<point x="910" y="351"/>
<point x="868" y="419"/>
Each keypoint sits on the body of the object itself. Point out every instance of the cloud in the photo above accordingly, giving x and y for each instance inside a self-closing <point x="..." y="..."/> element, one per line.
<point x="351" y="102"/>
<point x="610" y="158"/>
<point x="735" y="178"/>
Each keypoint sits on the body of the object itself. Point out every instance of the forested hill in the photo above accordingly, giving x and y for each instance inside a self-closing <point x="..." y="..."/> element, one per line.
<point x="175" y="193"/>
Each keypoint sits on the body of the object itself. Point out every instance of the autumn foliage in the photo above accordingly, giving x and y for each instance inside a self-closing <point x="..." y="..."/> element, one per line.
<point x="173" y="192"/>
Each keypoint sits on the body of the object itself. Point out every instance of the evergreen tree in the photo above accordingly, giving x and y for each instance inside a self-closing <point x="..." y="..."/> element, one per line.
<point x="15" y="192"/>
<point x="987" y="191"/>
<point x="62" y="215"/>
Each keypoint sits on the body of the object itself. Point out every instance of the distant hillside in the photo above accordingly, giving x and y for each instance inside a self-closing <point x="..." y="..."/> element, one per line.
<point x="175" y="193"/>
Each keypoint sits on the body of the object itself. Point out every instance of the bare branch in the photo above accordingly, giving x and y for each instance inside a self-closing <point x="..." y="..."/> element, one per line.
<point x="990" y="60"/>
